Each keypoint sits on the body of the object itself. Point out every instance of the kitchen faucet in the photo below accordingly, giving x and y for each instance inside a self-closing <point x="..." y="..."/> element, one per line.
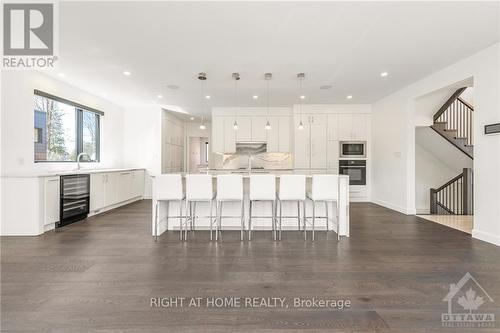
<point x="78" y="159"/>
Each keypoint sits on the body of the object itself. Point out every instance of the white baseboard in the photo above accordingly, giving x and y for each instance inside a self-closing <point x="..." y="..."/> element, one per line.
<point x="423" y="211"/>
<point x="391" y="206"/>
<point x="486" y="236"/>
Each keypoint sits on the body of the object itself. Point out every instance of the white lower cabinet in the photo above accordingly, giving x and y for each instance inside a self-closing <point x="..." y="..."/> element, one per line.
<point x="97" y="191"/>
<point x="111" y="188"/>
<point x="52" y="200"/>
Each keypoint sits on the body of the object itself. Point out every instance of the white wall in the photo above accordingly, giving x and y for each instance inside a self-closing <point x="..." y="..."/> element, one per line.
<point x="142" y="141"/>
<point x="430" y="172"/>
<point x="17" y="120"/>
<point x="393" y="121"/>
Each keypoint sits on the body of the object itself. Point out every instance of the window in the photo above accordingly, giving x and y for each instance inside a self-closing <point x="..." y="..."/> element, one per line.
<point x="64" y="129"/>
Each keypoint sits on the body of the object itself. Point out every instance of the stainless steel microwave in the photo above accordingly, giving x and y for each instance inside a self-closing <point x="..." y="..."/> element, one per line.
<point x="352" y="149"/>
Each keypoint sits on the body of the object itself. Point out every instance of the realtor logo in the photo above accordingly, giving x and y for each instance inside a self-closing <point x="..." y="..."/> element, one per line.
<point x="464" y="300"/>
<point x="28" y="29"/>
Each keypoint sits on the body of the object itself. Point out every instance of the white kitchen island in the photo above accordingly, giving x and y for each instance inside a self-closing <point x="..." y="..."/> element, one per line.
<point x="259" y="208"/>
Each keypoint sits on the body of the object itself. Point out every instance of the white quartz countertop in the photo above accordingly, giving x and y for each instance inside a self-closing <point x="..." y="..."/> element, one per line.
<point x="69" y="172"/>
<point x="277" y="173"/>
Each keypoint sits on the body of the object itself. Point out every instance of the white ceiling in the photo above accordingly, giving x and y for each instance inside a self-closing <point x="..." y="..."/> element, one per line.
<point x="343" y="44"/>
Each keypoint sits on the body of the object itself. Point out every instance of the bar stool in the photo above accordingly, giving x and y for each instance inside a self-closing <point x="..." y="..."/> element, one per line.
<point x="168" y="188"/>
<point x="292" y="188"/>
<point x="325" y="188"/>
<point x="229" y="189"/>
<point x="262" y="188"/>
<point x="199" y="188"/>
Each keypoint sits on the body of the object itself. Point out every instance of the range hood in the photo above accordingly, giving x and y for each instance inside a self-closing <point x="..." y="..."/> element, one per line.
<point x="251" y="148"/>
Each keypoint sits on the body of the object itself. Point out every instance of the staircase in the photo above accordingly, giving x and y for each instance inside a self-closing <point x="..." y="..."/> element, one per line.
<point x="455" y="197"/>
<point x="454" y="121"/>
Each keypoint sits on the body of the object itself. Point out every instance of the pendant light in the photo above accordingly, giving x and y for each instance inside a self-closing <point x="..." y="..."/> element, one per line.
<point x="236" y="78"/>
<point x="301" y="77"/>
<point x="268" y="77"/>
<point x="202" y="77"/>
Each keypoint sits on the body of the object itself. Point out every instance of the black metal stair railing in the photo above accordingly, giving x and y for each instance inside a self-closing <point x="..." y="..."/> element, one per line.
<point x="455" y="197"/>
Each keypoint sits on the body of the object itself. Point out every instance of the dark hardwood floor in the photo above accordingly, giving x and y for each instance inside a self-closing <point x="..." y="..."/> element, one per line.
<point x="100" y="276"/>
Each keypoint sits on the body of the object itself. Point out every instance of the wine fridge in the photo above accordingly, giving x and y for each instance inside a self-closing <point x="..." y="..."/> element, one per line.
<point x="75" y="198"/>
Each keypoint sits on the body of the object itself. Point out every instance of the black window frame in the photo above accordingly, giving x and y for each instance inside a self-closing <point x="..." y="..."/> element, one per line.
<point x="79" y="109"/>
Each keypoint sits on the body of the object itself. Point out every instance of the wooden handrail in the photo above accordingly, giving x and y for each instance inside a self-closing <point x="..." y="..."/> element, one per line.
<point x="449" y="102"/>
<point x="449" y="182"/>
<point x="454" y="197"/>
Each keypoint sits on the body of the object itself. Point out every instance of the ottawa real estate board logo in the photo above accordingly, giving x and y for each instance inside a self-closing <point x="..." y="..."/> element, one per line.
<point x="464" y="300"/>
<point x="28" y="36"/>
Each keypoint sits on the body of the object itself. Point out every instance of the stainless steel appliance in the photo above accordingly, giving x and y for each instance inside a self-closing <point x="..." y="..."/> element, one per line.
<point x="355" y="169"/>
<point x="352" y="149"/>
<point x="75" y="198"/>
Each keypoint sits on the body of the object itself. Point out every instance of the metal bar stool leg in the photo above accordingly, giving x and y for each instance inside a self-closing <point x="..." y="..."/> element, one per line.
<point x="327" y="219"/>
<point x="168" y="213"/>
<point x="304" y="217"/>
<point x="211" y="217"/>
<point x="298" y="215"/>
<point x="281" y="219"/>
<point x="313" y="218"/>
<point x="250" y="220"/>
<point x="156" y="221"/>
<point x="273" y="219"/>
<point x="242" y="219"/>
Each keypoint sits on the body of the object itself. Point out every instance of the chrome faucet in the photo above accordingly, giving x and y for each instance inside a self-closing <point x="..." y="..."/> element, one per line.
<point x="78" y="159"/>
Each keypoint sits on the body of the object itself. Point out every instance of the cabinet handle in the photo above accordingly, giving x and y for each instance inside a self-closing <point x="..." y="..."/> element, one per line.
<point x="125" y="173"/>
<point x="53" y="180"/>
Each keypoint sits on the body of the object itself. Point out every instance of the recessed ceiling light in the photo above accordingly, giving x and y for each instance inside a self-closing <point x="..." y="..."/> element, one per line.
<point x="302" y="97"/>
<point x="160" y="96"/>
<point x="207" y="96"/>
<point x="127" y="73"/>
<point x="255" y="96"/>
<point x="191" y="118"/>
<point x="384" y="74"/>
<point x="61" y="74"/>
<point x="326" y="86"/>
<point x="173" y="87"/>
<point x="349" y="97"/>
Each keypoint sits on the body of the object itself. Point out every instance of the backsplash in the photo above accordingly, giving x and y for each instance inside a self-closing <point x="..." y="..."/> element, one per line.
<point x="264" y="160"/>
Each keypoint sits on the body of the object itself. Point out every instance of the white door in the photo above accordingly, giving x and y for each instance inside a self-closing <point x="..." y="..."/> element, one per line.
<point x="229" y="135"/>
<point x="52" y="200"/>
<point x="273" y="135"/>
<point x="318" y="141"/>
<point x="217" y="135"/>
<point x="302" y="143"/>
<point x="244" y="131"/>
<point x="284" y="135"/>
<point x="259" y="132"/>
<point x="345" y="127"/>
<point x="97" y="191"/>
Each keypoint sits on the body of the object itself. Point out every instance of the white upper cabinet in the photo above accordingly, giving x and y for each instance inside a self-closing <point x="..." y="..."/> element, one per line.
<point x="318" y="141"/>
<point x="301" y="156"/>
<point x="353" y="127"/>
<point x="217" y="135"/>
<point x="284" y="134"/>
<point x="344" y="126"/>
<point x="229" y="135"/>
<point x="360" y="127"/>
<point x="273" y="135"/>
<point x="244" y="132"/>
<point x="278" y="136"/>
<point x="259" y="132"/>
<point x="333" y="148"/>
<point x="333" y="127"/>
